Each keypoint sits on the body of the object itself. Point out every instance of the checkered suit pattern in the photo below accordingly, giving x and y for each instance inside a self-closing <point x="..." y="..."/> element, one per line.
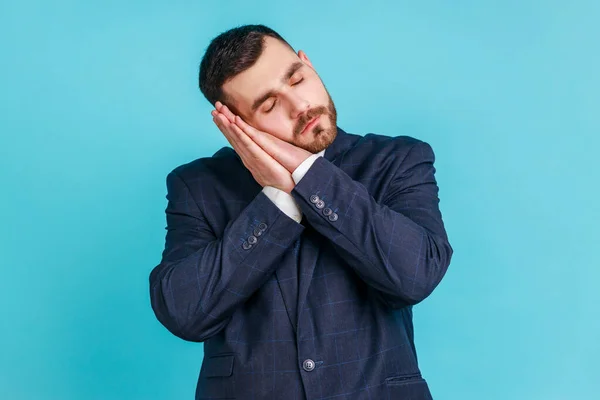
<point x="316" y="310"/>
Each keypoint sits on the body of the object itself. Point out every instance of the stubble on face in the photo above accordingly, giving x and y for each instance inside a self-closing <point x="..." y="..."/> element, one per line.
<point x="322" y="136"/>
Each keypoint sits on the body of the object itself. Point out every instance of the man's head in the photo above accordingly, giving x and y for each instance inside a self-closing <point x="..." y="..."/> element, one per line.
<point x="260" y="77"/>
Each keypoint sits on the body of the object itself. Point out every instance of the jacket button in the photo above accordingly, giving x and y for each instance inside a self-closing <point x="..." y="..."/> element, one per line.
<point x="262" y="226"/>
<point x="246" y="245"/>
<point x="333" y="217"/>
<point x="257" y="232"/>
<point x="252" y="239"/>
<point x="320" y="204"/>
<point x="314" y="198"/>
<point x="308" y="365"/>
<point x="327" y="211"/>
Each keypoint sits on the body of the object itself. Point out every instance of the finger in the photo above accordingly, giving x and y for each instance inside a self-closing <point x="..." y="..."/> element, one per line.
<point x="250" y="131"/>
<point x="269" y="143"/>
<point x="263" y="138"/>
<point x="246" y="141"/>
<point x="226" y="130"/>
<point x="255" y="152"/>
<point x="242" y="144"/>
<point x="228" y="113"/>
<point x="285" y="153"/>
<point x="223" y="109"/>
<point x="238" y="134"/>
<point x="245" y="145"/>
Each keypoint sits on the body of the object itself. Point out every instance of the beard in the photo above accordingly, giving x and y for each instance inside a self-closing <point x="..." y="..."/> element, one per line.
<point x="323" y="136"/>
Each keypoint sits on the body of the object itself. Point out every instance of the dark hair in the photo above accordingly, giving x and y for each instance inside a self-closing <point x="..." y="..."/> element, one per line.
<point x="229" y="54"/>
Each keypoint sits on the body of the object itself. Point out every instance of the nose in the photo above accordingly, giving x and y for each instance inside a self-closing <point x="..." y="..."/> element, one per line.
<point x="299" y="105"/>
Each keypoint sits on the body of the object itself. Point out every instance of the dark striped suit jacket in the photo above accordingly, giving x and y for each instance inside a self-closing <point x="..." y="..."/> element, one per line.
<point x="320" y="309"/>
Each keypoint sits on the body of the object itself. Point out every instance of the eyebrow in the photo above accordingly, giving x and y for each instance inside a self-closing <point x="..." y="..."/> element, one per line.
<point x="270" y="93"/>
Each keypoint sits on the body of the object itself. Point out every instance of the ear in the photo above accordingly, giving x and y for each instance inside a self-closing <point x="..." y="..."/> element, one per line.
<point x="302" y="55"/>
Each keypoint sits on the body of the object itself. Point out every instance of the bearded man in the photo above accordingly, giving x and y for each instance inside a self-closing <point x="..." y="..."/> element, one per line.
<point x="297" y="254"/>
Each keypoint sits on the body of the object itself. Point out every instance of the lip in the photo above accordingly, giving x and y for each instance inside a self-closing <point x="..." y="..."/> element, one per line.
<point x="312" y="123"/>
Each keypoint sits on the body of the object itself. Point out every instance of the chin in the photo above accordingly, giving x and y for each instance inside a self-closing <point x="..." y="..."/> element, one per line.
<point x="321" y="139"/>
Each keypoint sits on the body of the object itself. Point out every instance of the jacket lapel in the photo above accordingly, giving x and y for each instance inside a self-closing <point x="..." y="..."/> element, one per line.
<point x="287" y="279"/>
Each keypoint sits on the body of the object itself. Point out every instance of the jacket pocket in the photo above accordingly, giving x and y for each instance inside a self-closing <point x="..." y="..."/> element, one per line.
<point x="410" y="386"/>
<point x="217" y="380"/>
<point x="403" y="379"/>
<point x="218" y="366"/>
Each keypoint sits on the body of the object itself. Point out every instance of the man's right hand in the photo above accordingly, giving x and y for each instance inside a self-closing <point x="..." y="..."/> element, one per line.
<point x="264" y="168"/>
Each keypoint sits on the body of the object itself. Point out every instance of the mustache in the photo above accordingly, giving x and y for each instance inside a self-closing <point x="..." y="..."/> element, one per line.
<point x="306" y="118"/>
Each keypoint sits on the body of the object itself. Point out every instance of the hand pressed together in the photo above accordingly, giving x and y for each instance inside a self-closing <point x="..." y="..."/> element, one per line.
<point x="270" y="159"/>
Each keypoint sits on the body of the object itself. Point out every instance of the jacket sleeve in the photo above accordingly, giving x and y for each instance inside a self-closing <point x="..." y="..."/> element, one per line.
<point x="202" y="278"/>
<point x="399" y="245"/>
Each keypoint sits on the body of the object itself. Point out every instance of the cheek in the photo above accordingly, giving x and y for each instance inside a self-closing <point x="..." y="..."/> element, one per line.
<point x="277" y="124"/>
<point x="315" y="92"/>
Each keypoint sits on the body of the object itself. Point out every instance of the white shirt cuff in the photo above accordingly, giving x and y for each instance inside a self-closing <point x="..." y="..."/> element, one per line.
<point x="284" y="201"/>
<point x="304" y="167"/>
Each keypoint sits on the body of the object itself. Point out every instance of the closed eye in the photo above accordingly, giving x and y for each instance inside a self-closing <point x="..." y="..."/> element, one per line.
<point x="275" y="101"/>
<point x="272" y="106"/>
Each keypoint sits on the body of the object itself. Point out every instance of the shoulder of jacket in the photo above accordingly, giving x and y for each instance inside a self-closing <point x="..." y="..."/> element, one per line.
<point x="397" y="142"/>
<point x="222" y="159"/>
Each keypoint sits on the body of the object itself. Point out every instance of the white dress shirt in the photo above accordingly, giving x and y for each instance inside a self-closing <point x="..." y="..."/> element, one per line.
<point x="285" y="201"/>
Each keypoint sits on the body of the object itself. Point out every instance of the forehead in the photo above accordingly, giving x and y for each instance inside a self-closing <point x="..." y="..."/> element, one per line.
<point x="265" y="74"/>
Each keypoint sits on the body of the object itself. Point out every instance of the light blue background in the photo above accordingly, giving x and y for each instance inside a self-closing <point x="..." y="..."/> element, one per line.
<point x="99" y="101"/>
